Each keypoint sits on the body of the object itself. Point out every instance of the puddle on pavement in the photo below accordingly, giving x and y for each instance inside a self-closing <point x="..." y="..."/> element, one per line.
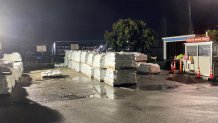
<point x="158" y="87"/>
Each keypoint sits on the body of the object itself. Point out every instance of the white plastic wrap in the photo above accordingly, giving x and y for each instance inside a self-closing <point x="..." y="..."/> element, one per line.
<point x="99" y="74"/>
<point x="148" y="68"/>
<point x="119" y="77"/>
<point x="119" y="60"/>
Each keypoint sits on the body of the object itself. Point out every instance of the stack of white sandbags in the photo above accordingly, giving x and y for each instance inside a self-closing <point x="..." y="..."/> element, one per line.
<point x="11" y="70"/>
<point x="98" y="65"/>
<point x="76" y="60"/>
<point x="66" y="58"/>
<point x="87" y="67"/>
<point x="148" y="68"/>
<point x="120" y="68"/>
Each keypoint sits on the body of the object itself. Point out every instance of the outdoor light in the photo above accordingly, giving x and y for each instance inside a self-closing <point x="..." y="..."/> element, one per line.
<point x="101" y="46"/>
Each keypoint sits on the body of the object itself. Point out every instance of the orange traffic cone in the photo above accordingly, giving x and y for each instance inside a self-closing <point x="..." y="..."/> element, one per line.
<point x="211" y="73"/>
<point x="198" y="73"/>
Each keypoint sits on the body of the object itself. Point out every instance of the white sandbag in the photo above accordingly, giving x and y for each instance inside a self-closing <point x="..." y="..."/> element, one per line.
<point x="59" y="65"/>
<point x="98" y="61"/>
<point x="91" y="58"/>
<point x="76" y="56"/>
<point x="51" y="73"/>
<point x="140" y="57"/>
<point x="87" y="70"/>
<point x="13" y="57"/>
<point x="148" y="68"/>
<point x="120" y="77"/>
<point x="84" y="56"/>
<point x="99" y="74"/>
<point x="114" y="60"/>
<point x="76" y="66"/>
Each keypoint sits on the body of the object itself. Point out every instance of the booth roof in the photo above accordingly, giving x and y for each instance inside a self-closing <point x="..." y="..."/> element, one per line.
<point x="177" y="38"/>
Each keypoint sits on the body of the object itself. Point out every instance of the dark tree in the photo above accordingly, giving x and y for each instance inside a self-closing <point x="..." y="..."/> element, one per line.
<point x="129" y="35"/>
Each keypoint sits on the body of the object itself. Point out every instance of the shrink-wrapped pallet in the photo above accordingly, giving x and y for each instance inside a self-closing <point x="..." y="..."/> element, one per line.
<point x="98" y="61"/>
<point x="148" y="68"/>
<point x="119" y="60"/>
<point x="99" y="74"/>
<point x="120" y="77"/>
<point x="87" y="70"/>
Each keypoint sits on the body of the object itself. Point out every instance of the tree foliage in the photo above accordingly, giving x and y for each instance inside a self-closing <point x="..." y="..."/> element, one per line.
<point x="130" y="34"/>
<point x="213" y="34"/>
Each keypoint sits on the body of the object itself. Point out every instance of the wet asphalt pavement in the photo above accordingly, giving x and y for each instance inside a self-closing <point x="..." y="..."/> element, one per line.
<point x="76" y="98"/>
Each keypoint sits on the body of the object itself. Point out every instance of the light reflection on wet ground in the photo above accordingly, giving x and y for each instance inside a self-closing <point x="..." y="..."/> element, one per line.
<point x="154" y="99"/>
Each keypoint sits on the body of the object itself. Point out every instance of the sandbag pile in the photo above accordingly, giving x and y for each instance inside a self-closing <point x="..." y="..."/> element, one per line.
<point x="76" y="61"/>
<point x="86" y="63"/>
<point x="148" y="68"/>
<point x="120" y="68"/>
<point x="114" y="68"/>
<point x="11" y="68"/>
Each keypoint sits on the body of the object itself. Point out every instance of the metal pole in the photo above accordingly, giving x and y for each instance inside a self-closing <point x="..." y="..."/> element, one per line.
<point x="190" y="17"/>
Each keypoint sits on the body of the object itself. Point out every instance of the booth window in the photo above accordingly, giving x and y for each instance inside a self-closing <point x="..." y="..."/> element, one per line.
<point x="192" y="50"/>
<point x="204" y="50"/>
<point x="215" y="50"/>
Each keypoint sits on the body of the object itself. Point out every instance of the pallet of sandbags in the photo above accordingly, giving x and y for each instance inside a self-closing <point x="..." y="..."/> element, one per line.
<point x="148" y="68"/>
<point x="87" y="70"/>
<point x="99" y="74"/>
<point x="120" y="77"/>
<point x="119" y="60"/>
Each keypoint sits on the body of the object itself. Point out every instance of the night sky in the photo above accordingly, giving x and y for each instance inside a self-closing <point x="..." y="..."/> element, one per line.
<point x="51" y="20"/>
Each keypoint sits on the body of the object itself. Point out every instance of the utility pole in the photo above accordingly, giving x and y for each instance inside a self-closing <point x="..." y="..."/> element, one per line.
<point x="190" y="17"/>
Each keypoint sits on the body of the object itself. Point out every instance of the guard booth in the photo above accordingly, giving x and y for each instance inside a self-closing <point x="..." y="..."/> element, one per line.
<point x="173" y="46"/>
<point x="200" y="48"/>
